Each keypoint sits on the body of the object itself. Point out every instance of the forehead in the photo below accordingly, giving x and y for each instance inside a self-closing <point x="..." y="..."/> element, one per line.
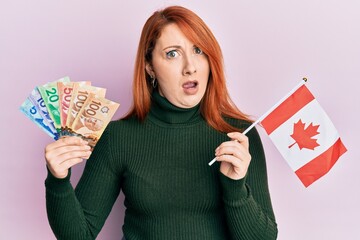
<point x="172" y="35"/>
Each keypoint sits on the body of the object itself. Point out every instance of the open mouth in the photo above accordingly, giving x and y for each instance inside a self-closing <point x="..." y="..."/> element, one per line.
<point x="190" y="84"/>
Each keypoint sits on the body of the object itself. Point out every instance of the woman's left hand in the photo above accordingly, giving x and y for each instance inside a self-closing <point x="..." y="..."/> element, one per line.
<point x="234" y="156"/>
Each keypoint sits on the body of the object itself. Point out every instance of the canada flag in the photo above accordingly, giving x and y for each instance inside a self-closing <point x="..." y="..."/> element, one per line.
<point x="304" y="135"/>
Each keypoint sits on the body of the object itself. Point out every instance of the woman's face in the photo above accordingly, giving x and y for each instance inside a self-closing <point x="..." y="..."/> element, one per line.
<point x="180" y="67"/>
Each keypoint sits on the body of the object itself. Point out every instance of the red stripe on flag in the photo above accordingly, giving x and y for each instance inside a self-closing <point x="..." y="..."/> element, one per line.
<point x="287" y="108"/>
<point x="320" y="165"/>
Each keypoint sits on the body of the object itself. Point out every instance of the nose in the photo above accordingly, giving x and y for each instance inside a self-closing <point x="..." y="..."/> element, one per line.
<point x="189" y="65"/>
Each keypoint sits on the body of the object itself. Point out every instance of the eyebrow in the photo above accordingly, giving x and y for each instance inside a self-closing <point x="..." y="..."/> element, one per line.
<point x="172" y="46"/>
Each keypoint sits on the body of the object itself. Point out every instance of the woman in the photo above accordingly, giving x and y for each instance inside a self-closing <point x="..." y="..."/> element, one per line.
<point x="158" y="154"/>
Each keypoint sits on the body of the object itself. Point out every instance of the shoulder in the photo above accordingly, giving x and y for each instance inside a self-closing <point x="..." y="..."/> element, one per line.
<point x="242" y="125"/>
<point x="238" y="123"/>
<point x="123" y="123"/>
<point x="123" y="128"/>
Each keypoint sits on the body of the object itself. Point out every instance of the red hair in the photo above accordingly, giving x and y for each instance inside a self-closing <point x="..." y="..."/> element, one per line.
<point x="216" y="103"/>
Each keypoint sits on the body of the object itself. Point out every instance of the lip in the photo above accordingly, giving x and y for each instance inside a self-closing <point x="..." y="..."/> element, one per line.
<point x="190" y="84"/>
<point x="190" y="87"/>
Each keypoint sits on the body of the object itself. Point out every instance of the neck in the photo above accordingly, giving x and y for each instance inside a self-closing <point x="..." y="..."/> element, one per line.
<point x="164" y="111"/>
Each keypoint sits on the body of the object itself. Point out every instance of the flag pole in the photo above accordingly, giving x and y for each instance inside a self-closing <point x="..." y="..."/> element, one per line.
<point x="302" y="82"/>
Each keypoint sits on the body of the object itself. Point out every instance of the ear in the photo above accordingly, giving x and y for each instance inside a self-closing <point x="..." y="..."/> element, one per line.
<point x="149" y="69"/>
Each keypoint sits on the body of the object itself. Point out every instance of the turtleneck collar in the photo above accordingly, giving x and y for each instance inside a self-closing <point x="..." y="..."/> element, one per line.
<point x="163" y="111"/>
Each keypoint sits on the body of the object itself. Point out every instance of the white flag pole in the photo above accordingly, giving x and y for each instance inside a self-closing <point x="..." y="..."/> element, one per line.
<point x="303" y="81"/>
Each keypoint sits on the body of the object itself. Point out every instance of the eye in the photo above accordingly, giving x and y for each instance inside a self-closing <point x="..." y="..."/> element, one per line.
<point x="198" y="50"/>
<point x="172" y="54"/>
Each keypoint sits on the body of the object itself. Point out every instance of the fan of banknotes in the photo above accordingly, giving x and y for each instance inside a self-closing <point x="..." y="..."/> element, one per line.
<point x="66" y="108"/>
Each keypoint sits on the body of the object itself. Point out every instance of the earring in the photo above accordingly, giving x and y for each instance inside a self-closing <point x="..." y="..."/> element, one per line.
<point x="153" y="81"/>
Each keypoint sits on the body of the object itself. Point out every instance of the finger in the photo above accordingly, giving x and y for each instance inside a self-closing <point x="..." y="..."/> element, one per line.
<point x="61" y="171"/>
<point x="237" y="151"/>
<point x="241" y="138"/>
<point x="234" y="161"/>
<point x="70" y="148"/>
<point x="58" y="159"/>
<point x="65" y="141"/>
<point x="71" y="162"/>
<point x="231" y="147"/>
<point x="61" y="164"/>
<point x="228" y="148"/>
<point x="59" y="154"/>
<point x="74" y="154"/>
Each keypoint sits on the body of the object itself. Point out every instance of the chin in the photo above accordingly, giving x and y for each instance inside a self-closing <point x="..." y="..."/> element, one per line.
<point x="190" y="104"/>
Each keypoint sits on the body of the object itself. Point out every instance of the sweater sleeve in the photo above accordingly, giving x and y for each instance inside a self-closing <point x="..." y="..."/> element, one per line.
<point x="247" y="201"/>
<point x="81" y="213"/>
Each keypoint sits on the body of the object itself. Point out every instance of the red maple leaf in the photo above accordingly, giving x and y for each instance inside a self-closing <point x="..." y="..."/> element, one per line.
<point x="303" y="137"/>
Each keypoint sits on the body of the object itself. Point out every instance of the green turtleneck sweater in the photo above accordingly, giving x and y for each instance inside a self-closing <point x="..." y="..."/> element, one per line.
<point x="161" y="165"/>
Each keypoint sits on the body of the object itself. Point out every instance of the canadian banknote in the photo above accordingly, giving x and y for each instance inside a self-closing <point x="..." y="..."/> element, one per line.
<point x="65" y="90"/>
<point x="93" y="118"/>
<point x="79" y="96"/>
<point x="49" y="93"/>
<point x="37" y="100"/>
<point x="63" y="108"/>
<point x="32" y="112"/>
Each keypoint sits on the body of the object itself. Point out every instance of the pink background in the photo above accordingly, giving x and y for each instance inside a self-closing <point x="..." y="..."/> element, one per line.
<point x="268" y="47"/>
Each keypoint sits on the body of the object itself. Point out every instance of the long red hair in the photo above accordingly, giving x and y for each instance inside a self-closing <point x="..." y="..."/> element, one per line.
<point x="216" y="103"/>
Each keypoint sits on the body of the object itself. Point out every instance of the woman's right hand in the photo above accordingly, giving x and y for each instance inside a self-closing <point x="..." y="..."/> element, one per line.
<point x="65" y="153"/>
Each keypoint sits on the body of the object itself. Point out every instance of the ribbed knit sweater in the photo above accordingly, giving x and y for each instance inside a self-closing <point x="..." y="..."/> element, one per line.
<point x="171" y="193"/>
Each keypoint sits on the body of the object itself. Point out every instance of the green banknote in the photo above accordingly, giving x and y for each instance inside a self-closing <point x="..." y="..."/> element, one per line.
<point x="36" y="98"/>
<point x="49" y="93"/>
